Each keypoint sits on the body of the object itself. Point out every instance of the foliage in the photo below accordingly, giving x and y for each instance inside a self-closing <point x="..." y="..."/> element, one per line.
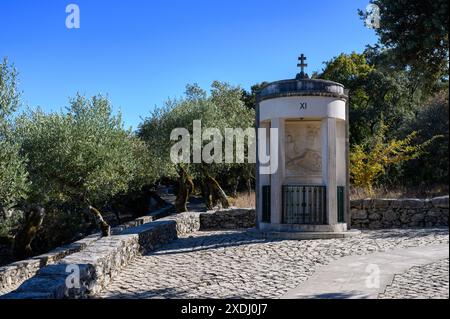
<point x="414" y="35"/>
<point x="82" y="155"/>
<point x="222" y="108"/>
<point x="375" y="94"/>
<point x="249" y="98"/>
<point x="348" y="69"/>
<point x="13" y="175"/>
<point x="10" y="221"/>
<point x="371" y="159"/>
<point x="9" y="95"/>
<point x="432" y="119"/>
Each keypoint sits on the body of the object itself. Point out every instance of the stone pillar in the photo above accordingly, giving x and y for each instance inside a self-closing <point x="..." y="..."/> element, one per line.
<point x="329" y="139"/>
<point x="348" y="216"/>
<point x="263" y="180"/>
<point x="277" y="178"/>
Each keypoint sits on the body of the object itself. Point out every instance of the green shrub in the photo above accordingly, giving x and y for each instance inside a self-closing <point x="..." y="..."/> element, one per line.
<point x="222" y="108"/>
<point x="84" y="155"/>
<point x="13" y="175"/>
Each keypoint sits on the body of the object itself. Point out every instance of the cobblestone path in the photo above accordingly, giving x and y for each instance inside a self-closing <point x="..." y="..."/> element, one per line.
<point x="425" y="282"/>
<point x="232" y="264"/>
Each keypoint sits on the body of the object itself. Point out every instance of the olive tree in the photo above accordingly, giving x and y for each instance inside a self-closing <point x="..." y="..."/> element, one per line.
<point x="223" y="108"/>
<point x="83" y="156"/>
<point x="13" y="175"/>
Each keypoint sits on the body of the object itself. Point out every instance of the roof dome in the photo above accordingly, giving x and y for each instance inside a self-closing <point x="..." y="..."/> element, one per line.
<point x="295" y="87"/>
<point x="302" y="85"/>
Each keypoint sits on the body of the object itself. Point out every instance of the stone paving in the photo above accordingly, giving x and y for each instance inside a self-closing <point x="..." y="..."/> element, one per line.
<point x="425" y="282"/>
<point x="233" y="264"/>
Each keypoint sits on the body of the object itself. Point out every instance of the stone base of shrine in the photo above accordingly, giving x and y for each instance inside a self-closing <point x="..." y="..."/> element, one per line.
<point x="299" y="232"/>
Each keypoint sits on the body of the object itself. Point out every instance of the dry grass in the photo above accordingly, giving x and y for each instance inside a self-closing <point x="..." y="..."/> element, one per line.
<point x="400" y="192"/>
<point x="244" y="200"/>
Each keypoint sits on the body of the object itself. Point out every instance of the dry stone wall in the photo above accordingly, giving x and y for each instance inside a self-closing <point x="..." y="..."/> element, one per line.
<point x="85" y="273"/>
<point x="228" y="219"/>
<point x="16" y="273"/>
<point x="399" y="213"/>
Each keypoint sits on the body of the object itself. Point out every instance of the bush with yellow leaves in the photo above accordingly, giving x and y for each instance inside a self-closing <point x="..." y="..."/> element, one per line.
<point x="369" y="160"/>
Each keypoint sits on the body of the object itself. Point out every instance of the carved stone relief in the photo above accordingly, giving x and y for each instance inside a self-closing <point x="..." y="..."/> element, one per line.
<point x="303" y="149"/>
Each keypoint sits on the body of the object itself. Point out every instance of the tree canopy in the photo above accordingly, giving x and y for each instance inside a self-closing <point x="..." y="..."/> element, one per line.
<point x="413" y="34"/>
<point x="14" y="182"/>
<point x="83" y="154"/>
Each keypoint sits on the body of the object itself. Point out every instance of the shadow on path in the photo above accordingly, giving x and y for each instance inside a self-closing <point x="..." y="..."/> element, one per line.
<point x="209" y="241"/>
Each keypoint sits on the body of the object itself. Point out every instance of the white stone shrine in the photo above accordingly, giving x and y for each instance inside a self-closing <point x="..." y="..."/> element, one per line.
<point x="306" y="195"/>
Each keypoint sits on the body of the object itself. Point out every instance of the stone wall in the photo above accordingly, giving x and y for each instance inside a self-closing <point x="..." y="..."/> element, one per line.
<point x="399" y="213"/>
<point x="98" y="263"/>
<point x="12" y="275"/>
<point x="108" y="255"/>
<point x="228" y="219"/>
<point x="16" y="273"/>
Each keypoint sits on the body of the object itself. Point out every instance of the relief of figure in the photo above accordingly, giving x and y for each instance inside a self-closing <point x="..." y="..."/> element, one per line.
<point x="304" y="159"/>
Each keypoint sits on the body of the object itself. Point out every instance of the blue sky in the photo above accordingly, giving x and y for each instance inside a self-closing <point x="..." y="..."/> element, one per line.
<point x="141" y="52"/>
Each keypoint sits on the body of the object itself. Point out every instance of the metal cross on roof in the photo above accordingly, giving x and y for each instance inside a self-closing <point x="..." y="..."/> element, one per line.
<point x="302" y="65"/>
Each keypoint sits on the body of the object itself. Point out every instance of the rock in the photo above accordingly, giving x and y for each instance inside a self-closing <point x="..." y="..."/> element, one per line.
<point x="412" y="203"/>
<point x="382" y="202"/>
<point x="419" y="217"/>
<point x="375" y="225"/>
<point x="435" y="213"/>
<point x="430" y="220"/>
<point x="374" y="216"/>
<point x="390" y="216"/>
<point x="359" y="214"/>
<point x="440" y="202"/>
<point x="396" y="204"/>
<point x="416" y="224"/>
<point x="356" y="204"/>
<point x="367" y="203"/>
<point x="405" y="217"/>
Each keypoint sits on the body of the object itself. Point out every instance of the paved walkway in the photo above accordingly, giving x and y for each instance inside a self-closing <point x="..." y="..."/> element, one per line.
<point x="232" y="264"/>
<point x="365" y="277"/>
<point x="424" y="282"/>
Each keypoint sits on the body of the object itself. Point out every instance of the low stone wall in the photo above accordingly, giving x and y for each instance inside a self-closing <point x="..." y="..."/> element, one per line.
<point x="16" y="273"/>
<point x="399" y="213"/>
<point x="234" y="218"/>
<point x="98" y="263"/>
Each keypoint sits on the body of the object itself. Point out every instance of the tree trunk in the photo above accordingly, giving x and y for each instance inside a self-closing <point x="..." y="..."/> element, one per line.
<point x="185" y="188"/>
<point x="104" y="227"/>
<point x="206" y="194"/>
<point x="249" y="186"/>
<point x="22" y="241"/>
<point x="217" y="193"/>
<point x="235" y="187"/>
